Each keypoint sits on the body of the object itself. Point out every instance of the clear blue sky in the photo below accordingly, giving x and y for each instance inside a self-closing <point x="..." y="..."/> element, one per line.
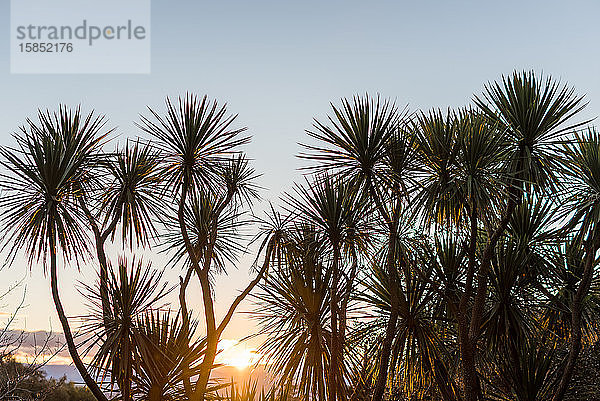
<point x="279" y="64"/>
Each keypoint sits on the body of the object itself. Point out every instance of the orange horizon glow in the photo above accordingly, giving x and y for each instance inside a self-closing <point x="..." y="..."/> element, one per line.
<point x="236" y="354"/>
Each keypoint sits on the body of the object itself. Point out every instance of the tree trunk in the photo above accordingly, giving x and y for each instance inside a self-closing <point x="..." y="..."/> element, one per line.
<point x="126" y="385"/>
<point x="472" y="389"/>
<point x="334" y="368"/>
<point x="185" y="332"/>
<point x="155" y="394"/>
<point x="344" y="305"/>
<point x="214" y="332"/>
<point x="91" y="384"/>
<point x="103" y="280"/>
<point x="100" y="239"/>
<point x="386" y="350"/>
<point x="390" y="331"/>
<point x="206" y="366"/>
<point x="467" y="351"/>
<point x="212" y="338"/>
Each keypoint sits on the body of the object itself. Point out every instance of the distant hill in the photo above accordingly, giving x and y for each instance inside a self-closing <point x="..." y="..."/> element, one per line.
<point x="224" y="373"/>
<point x="58" y="371"/>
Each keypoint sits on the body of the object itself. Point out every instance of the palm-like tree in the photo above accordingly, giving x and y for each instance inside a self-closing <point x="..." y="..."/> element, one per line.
<point x="479" y="178"/>
<point x="200" y="219"/>
<point x="356" y="139"/>
<point x="335" y="207"/>
<point x="533" y="113"/>
<point x="584" y="160"/>
<point x="513" y="320"/>
<point x="419" y="354"/>
<point x="200" y="160"/>
<point x="116" y="337"/>
<point x="131" y="196"/>
<point x="40" y="215"/>
<point x="125" y="192"/>
<point x="293" y="308"/>
<point x="439" y="196"/>
<point x="462" y="156"/>
<point x="139" y="345"/>
<point x="168" y="356"/>
<point x="364" y="142"/>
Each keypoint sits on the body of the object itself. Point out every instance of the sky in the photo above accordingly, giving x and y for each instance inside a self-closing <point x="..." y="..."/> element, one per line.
<point x="279" y="64"/>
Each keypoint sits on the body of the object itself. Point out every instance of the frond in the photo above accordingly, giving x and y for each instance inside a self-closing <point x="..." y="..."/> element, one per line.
<point x="535" y="111"/>
<point x="44" y="176"/>
<point x="194" y="136"/>
<point x="354" y="141"/>
<point x="133" y="195"/>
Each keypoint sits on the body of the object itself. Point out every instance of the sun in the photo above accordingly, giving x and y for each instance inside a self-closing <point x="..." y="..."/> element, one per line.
<point x="235" y="354"/>
<point x="242" y="359"/>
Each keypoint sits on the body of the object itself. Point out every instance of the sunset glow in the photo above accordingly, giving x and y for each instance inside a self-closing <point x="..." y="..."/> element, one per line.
<point x="236" y="354"/>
